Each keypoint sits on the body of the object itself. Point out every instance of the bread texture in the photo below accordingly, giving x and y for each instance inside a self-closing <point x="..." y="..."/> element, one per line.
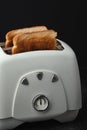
<point x="40" y="40"/>
<point x="11" y="34"/>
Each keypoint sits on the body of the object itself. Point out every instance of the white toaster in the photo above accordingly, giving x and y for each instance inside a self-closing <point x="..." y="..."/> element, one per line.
<point x="39" y="85"/>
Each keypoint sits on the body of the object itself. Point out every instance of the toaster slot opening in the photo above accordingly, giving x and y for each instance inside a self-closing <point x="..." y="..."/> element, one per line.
<point x="8" y="50"/>
<point x="59" y="46"/>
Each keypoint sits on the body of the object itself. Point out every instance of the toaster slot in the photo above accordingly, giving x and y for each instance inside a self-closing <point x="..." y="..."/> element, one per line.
<point x="59" y="46"/>
<point x="2" y="44"/>
<point x="7" y="50"/>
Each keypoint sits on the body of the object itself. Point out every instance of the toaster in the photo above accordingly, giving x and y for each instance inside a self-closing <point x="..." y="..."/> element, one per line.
<point x="39" y="85"/>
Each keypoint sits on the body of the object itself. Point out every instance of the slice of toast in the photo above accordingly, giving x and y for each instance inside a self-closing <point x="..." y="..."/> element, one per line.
<point x="11" y="34"/>
<point x="42" y="40"/>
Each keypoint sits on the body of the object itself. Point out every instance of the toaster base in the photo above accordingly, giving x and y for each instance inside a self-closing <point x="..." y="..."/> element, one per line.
<point x="67" y="116"/>
<point x="11" y="123"/>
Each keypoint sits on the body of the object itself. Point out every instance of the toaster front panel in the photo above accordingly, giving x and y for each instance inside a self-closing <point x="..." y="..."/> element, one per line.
<point x="40" y="94"/>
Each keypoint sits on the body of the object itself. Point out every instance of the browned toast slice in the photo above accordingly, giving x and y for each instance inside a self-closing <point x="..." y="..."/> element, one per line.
<point x="42" y="40"/>
<point x="11" y="34"/>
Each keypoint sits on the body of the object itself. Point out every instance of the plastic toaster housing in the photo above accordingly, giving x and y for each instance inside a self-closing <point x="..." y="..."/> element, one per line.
<point x="39" y="85"/>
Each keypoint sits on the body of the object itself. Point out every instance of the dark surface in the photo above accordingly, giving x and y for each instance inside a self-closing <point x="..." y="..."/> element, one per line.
<point x="80" y="123"/>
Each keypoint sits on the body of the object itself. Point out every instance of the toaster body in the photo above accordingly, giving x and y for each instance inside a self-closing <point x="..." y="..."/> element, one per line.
<point x="39" y="85"/>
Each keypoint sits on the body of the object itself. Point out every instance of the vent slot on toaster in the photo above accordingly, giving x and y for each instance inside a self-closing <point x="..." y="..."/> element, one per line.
<point x="8" y="49"/>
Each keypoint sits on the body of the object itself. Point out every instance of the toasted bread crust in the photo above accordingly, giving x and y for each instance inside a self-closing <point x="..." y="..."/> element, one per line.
<point x="11" y="34"/>
<point x="42" y="40"/>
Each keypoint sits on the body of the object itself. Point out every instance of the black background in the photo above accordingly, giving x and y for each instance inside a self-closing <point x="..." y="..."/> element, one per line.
<point x="67" y="17"/>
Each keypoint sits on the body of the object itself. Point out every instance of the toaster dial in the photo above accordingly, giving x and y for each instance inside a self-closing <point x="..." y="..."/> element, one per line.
<point x="40" y="103"/>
